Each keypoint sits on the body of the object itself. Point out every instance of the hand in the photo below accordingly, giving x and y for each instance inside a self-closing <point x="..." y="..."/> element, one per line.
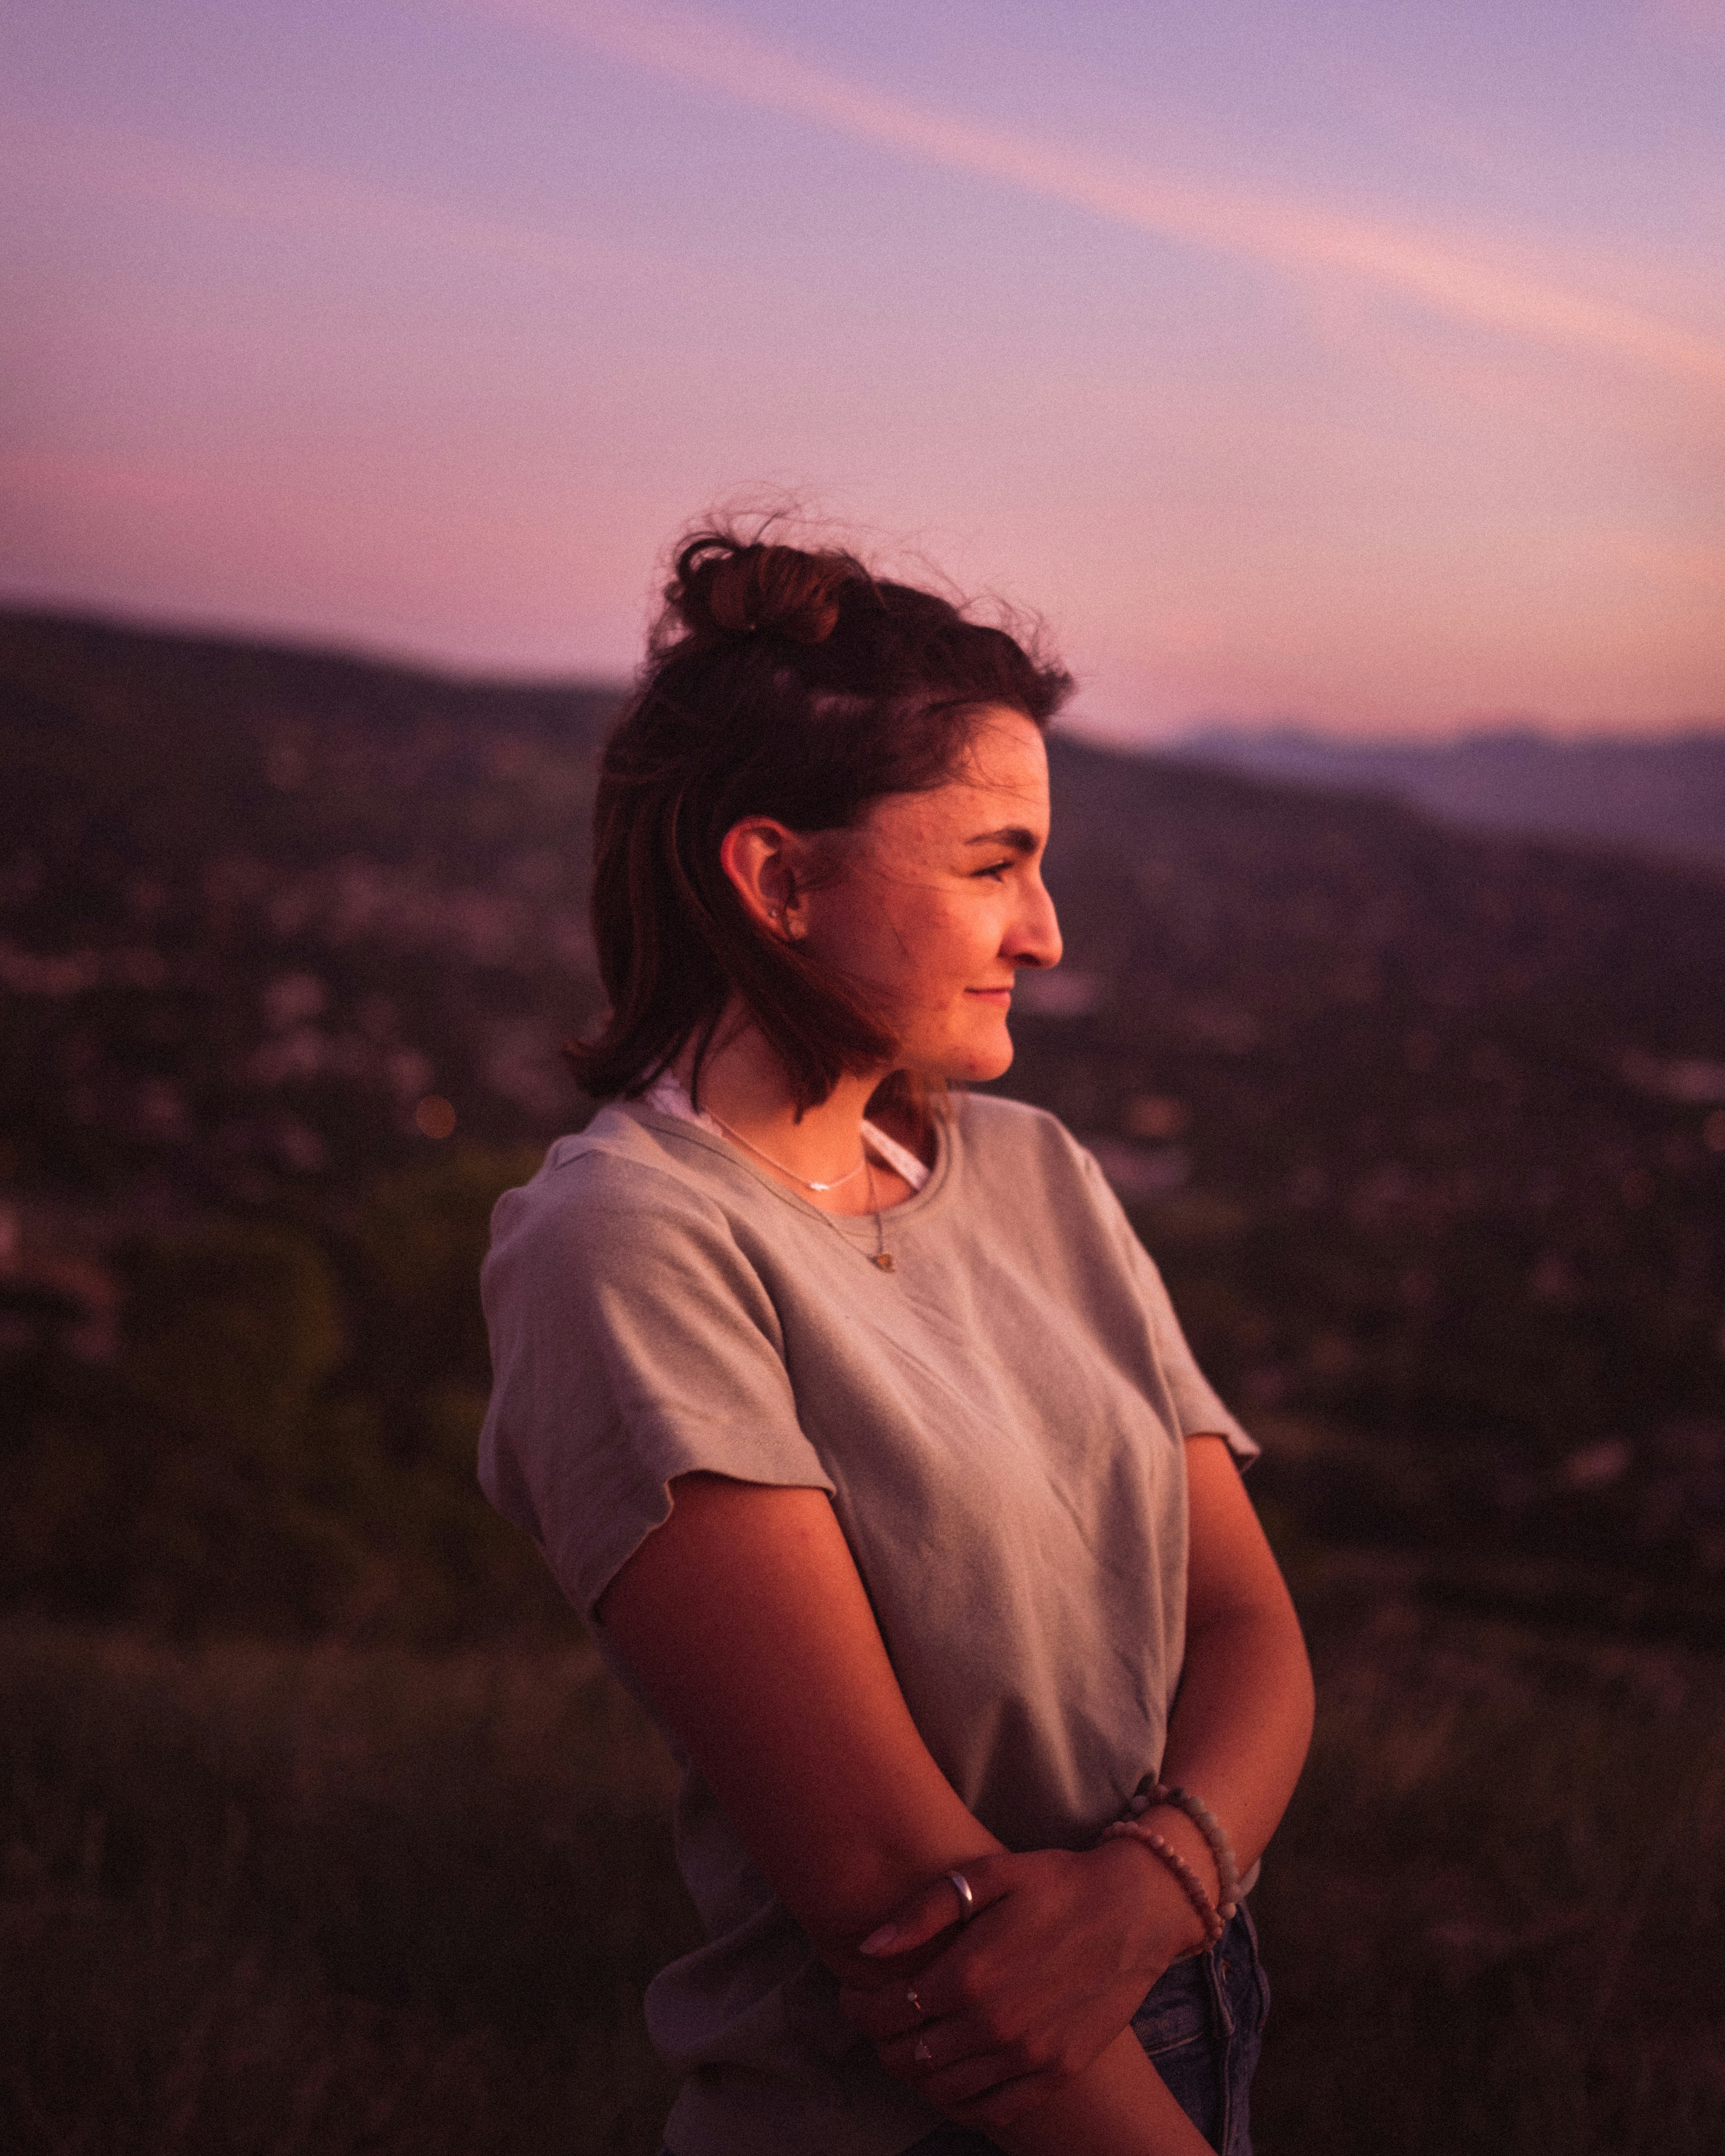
<point x="1017" y="2002"/>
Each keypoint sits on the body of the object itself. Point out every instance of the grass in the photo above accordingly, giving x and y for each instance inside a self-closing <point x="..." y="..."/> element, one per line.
<point x="272" y="1900"/>
<point x="1491" y="1916"/>
<point x="260" y="1898"/>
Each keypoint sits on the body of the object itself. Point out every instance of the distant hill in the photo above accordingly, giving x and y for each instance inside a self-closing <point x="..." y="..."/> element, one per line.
<point x="1664" y="796"/>
<point x="256" y="902"/>
<point x="1426" y="1127"/>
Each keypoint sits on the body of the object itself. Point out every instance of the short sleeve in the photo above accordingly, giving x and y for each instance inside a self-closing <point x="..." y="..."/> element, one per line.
<point x="631" y="1342"/>
<point x="1197" y="1405"/>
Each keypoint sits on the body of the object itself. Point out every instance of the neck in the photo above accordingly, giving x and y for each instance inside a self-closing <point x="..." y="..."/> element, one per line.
<point x="743" y="1083"/>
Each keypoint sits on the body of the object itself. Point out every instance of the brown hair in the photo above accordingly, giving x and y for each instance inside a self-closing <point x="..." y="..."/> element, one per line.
<point x="779" y="683"/>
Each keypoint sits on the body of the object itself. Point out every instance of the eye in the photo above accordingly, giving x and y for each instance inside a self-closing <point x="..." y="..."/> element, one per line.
<point x="998" y="869"/>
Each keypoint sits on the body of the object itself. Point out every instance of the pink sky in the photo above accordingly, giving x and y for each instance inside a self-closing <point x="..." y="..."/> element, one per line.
<point x="1359" y="366"/>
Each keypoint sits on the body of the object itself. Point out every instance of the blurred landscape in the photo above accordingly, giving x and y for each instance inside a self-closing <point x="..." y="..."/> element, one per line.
<point x="1662" y="794"/>
<point x="323" y="1830"/>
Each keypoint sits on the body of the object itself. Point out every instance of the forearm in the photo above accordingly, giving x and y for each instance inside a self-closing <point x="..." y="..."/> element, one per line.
<point x="1241" y="1719"/>
<point x="1241" y="1726"/>
<point x="1119" y="2106"/>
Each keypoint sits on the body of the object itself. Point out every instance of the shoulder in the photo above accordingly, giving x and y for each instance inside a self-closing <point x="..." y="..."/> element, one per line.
<point x="1025" y="1165"/>
<point x="624" y="1184"/>
<point x="617" y="1232"/>
<point x="1009" y="1134"/>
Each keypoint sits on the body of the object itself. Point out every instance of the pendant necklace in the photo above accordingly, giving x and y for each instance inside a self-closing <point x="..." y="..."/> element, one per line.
<point x="882" y="1256"/>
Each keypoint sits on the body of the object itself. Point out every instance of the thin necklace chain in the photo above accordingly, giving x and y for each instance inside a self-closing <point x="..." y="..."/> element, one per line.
<point x="762" y="1153"/>
<point x="881" y="1255"/>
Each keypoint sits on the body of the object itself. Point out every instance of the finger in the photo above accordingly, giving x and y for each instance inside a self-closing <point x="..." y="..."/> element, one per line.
<point x="885" y="2014"/>
<point x="934" y="2046"/>
<point x="967" y="2081"/>
<point x="926" y="1914"/>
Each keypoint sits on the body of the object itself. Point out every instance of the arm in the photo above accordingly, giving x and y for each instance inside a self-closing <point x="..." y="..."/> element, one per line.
<point x="744" y="1617"/>
<point x="1242" y="1719"/>
<point x="1237" y="1737"/>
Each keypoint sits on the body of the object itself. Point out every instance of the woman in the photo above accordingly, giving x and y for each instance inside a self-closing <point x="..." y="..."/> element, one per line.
<point x="851" y="1415"/>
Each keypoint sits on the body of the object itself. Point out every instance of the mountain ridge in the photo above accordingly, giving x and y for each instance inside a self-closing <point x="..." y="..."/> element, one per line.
<point x="1662" y="795"/>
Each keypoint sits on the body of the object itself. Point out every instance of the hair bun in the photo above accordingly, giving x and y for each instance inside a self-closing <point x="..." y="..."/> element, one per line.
<point x="724" y="590"/>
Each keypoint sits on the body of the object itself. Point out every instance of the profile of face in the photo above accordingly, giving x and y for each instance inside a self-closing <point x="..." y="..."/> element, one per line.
<point x="936" y="900"/>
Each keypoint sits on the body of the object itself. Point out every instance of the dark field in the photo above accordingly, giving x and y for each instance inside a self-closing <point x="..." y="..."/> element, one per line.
<point x="333" y="1899"/>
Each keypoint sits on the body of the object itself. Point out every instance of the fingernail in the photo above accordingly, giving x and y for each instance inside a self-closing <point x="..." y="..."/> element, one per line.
<point x="877" y="1942"/>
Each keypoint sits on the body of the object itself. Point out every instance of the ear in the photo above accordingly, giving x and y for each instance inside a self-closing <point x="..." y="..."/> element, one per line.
<point x="762" y="858"/>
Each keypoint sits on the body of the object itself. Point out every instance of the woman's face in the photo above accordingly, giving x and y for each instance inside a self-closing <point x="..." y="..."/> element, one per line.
<point x="938" y="899"/>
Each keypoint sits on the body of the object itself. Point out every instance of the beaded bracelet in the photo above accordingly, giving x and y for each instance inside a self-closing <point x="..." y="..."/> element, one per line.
<point x="1191" y="1884"/>
<point x="1150" y="1791"/>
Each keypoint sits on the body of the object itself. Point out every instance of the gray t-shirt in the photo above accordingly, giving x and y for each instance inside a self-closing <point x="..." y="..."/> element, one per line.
<point x="998" y="1421"/>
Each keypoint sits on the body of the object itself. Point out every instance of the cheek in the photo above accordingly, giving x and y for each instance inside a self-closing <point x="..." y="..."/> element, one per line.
<point x="923" y="945"/>
<point x="949" y="953"/>
<point x="915" y="943"/>
<point x="852" y="925"/>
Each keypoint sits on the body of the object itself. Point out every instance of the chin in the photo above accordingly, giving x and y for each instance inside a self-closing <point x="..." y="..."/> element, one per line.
<point x="994" y="1060"/>
<point x="972" y="1058"/>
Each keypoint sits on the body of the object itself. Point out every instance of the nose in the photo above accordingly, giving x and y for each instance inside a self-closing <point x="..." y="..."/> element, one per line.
<point x="1035" y="937"/>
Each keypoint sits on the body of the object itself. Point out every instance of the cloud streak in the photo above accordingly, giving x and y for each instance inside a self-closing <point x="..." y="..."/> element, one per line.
<point x="1304" y="240"/>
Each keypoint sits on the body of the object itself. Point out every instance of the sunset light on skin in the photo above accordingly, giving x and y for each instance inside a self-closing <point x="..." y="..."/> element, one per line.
<point x="1358" y="366"/>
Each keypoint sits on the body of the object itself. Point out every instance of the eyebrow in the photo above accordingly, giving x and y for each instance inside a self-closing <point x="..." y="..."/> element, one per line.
<point x="1015" y="835"/>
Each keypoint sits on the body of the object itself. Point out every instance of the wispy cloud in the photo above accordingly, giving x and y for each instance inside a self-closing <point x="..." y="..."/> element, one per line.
<point x="1454" y="280"/>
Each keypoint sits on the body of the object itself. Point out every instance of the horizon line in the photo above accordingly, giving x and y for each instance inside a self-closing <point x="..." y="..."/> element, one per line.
<point x="312" y="642"/>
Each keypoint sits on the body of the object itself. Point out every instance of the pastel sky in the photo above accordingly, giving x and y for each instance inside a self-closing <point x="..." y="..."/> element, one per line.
<point x="1353" y="363"/>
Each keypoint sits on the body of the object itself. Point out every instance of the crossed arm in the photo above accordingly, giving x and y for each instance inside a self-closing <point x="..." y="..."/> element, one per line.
<point x="745" y="1617"/>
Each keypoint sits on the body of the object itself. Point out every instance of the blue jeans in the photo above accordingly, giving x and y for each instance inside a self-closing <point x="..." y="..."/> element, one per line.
<point x="1201" y="2028"/>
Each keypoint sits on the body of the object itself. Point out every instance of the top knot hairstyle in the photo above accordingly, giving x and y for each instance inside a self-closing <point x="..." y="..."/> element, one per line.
<point x="723" y="590"/>
<point x="780" y="683"/>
